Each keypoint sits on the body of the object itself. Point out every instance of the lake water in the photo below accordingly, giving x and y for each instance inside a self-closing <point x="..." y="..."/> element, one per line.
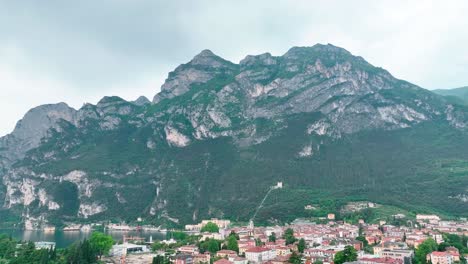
<point x="66" y="238"/>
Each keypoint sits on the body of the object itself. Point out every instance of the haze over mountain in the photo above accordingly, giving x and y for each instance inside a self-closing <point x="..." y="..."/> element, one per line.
<point x="456" y="93"/>
<point x="329" y="125"/>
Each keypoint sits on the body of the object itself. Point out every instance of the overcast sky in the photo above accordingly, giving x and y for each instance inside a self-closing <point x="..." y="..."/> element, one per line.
<point x="79" y="51"/>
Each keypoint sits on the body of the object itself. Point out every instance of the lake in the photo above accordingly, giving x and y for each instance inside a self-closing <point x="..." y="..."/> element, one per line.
<point x="66" y="238"/>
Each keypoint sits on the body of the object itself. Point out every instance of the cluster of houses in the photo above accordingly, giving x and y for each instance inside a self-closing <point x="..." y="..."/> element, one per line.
<point x="390" y="244"/>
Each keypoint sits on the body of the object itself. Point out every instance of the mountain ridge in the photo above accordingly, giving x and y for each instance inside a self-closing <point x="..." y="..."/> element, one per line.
<point x="459" y="94"/>
<point x="327" y="123"/>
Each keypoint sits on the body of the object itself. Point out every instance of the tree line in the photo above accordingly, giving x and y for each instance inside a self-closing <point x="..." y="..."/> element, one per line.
<point x="88" y="251"/>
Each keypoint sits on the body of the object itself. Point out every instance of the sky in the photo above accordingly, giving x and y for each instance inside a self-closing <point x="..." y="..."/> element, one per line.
<point x="79" y="51"/>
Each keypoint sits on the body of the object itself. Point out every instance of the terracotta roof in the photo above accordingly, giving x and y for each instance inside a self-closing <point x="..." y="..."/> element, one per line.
<point x="382" y="260"/>
<point x="257" y="249"/>
<point x="238" y="259"/>
<point x="223" y="261"/>
<point x="282" y="258"/>
<point x="226" y="251"/>
<point x="440" y="254"/>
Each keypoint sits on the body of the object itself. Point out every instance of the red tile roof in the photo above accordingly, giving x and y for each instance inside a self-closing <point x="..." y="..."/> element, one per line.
<point x="440" y="253"/>
<point x="257" y="249"/>
<point x="223" y="261"/>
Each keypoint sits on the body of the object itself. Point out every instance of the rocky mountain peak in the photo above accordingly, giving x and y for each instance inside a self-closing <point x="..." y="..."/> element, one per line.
<point x="207" y="60"/>
<point x="327" y="56"/>
<point x="206" y="57"/>
<point x="142" y="100"/>
<point x="298" y="52"/>
<point x="262" y="59"/>
<point x="113" y="105"/>
<point x="202" y="68"/>
<point x="107" y="100"/>
<point x="32" y="128"/>
<point x="39" y="119"/>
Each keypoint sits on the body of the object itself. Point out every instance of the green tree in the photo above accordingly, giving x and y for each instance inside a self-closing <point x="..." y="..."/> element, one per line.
<point x="442" y="246"/>
<point x="25" y="254"/>
<point x="232" y="243"/>
<point x="156" y="260"/>
<point x="159" y="260"/>
<point x="258" y="242"/>
<point x="425" y="248"/>
<point x="361" y="230"/>
<point x="301" y="245"/>
<point x="158" y="246"/>
<point x="346" y="255"/>
<point x="81" y="253"/>
<point x="234" y="234"/>
<point x="272" y="237"/>
<point x="101" y="242"/>
<point x="211" y="245"/>
<point x="179" y="236"/>
<point x="210" y="227"/>
<point x="53" y="253"/>
<point x="363" y="240"/>
<point x="289" y="236"/>
<point x="460" y="242"/>
<point x="7" y="247"/>
<point x="295" y="258"/>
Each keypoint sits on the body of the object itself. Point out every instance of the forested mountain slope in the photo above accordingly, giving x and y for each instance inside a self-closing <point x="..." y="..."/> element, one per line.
<point x="328" y="124"/>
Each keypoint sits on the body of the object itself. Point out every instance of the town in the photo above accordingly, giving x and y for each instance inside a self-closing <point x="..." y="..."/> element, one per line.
<point x="421" y="239"/>
<point x="428" y="239"/>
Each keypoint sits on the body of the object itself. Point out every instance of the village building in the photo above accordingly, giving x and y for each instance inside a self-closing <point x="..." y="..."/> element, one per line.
<point x="188" y="249"/>
<point x="401" y="254"/>
<point x="238" y="260"/>
<point x="226" y="253"/>
<point x="183" y="259"/>
<point x="260" y="254"/>
<point x="439" y="257"/>
<point x="223" y="261"/>
<point x="377" y="261"/>
<point x="128" y="248"/>
<point x="202" y="258"/>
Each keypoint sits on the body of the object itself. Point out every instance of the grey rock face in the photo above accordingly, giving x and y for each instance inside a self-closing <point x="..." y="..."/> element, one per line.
<point x="32" y="128"/>
<point x="351" y="94"/>
<point x="113" y="105"/>
<point x="142" y="100"/>
<point x="38" y="121"/>
<point x="200" y="69"/>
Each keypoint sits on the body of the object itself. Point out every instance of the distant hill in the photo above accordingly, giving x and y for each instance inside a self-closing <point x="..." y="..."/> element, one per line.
<point x="458" y="94"/>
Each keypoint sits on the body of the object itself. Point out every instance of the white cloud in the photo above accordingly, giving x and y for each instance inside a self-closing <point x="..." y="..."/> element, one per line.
<point x="22" y="89"/>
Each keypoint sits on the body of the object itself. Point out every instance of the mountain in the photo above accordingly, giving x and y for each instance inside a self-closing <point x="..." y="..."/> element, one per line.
<point x="457" y="94"/>
<point x="329" y="125"/>
<point x="31" y="129"/>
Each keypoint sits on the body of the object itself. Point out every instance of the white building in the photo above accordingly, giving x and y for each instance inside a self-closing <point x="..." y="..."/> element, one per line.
<point x="188" y="249"/>
<point x="44" y="245"/>
<point x="260" y="254"/>
<point x="222" y="224"/>
<point x="127" y="248"/>
<point x="219" y="222"/>
<point x="401" y="254"/>
<point x="238" y="260"/>
<point x="421" y="217"/>
<point x="438" y="257"/>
